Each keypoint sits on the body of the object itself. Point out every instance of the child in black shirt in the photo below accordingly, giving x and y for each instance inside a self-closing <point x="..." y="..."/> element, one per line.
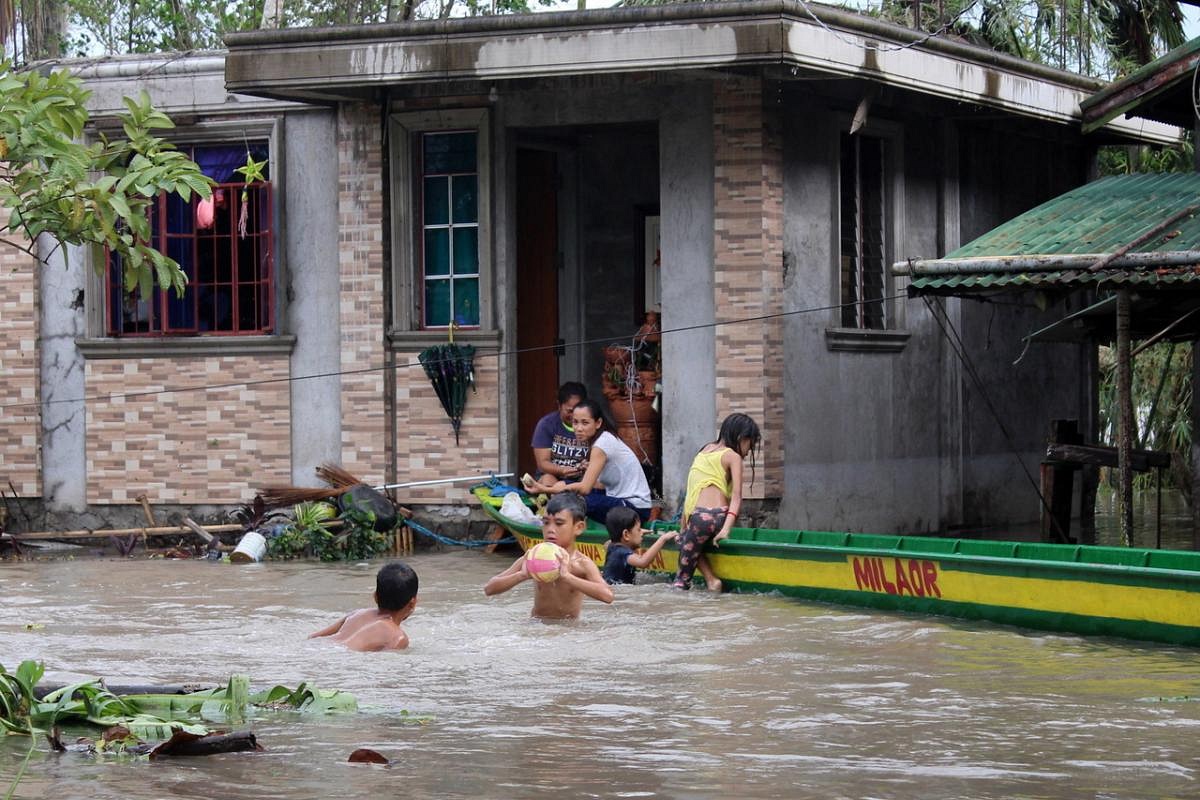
<point x="624" y="538"/>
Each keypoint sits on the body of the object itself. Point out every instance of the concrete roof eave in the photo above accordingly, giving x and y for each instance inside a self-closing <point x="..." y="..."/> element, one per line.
<point x="333" y="63"/>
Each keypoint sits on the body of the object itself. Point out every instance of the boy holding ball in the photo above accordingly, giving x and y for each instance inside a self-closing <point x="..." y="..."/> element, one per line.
<point x="562" y="598"/>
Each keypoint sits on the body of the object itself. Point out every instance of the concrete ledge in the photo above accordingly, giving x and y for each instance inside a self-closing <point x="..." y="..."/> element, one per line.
<point x="419" y="340"/>
<point x="177" y="347"/>
<point x="857" y="340"/>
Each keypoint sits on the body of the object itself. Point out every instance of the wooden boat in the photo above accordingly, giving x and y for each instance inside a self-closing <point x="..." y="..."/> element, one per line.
<point x="1150" y="595"/>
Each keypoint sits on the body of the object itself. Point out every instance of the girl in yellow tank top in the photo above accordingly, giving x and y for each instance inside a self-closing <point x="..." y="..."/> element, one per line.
<point x="714" y="496"/>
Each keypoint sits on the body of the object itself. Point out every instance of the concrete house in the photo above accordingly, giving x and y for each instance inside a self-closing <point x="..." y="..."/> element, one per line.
<point x="752" y="168"/>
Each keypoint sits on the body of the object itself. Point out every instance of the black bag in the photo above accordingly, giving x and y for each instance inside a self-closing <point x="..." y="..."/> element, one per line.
<point x="364" y="498"/>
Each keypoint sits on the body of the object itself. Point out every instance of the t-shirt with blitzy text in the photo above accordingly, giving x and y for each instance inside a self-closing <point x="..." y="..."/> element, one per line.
<point x="565" y="449"/>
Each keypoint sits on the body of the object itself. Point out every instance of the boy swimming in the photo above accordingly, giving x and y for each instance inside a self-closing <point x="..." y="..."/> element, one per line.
<point x="371" y="629"/>
<point x="566" y="517"/>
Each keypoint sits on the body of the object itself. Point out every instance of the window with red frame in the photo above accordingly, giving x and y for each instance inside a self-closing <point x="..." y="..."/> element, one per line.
<point x="223" y="245"/>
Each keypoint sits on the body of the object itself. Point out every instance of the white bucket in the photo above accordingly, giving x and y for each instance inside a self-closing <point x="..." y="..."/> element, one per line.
<point x="250" y="549"/>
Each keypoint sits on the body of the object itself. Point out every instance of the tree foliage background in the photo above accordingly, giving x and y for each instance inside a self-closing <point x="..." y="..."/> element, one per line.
<point x="1105" y="38"/>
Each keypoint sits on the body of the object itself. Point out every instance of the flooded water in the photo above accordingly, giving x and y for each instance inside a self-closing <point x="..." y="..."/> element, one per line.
<point x="660" y="695"/>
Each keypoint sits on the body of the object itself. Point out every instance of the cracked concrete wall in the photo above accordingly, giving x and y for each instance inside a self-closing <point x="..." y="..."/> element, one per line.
<point x="63" y="385"/>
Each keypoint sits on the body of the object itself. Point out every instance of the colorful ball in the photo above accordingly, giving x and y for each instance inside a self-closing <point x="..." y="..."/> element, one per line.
<point x="541" y="561"/>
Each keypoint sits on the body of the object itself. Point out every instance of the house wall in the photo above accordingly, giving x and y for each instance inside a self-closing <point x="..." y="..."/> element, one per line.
<point x="748" y="268"/>
<point x="901" y="439"/>
<point x="862" y="427"/>
<point x="1006" y="420"/>
<point x="189" y="445"/>
<point x="19" y="391"/>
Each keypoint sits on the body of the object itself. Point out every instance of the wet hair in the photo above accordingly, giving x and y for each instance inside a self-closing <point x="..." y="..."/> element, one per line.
<point x="737" y="427"/>
<point x="395" y="586"/>
<point x="619" y="520"/>
<point x="571" y="389"/>
<point x="570" y="502"/>
<point x="597" y="411"/>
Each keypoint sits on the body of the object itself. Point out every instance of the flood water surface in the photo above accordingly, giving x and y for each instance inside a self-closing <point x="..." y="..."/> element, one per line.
<point x="662" y="694"/>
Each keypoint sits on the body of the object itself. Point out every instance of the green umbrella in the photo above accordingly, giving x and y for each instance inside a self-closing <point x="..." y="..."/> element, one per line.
<point x="451" y="370"/>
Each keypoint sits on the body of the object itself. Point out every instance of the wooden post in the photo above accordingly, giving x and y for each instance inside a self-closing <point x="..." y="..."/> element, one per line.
<point x="1058" y="485"/>
<point x="1124" y="418"/>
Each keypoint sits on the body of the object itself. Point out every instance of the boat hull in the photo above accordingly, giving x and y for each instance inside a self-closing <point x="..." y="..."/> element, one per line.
<point x="1149" y="595"/>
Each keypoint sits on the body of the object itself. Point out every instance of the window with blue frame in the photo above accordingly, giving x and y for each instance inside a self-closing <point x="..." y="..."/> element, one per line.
<point x="223" y="244"/>
<point x="449" y="228"/>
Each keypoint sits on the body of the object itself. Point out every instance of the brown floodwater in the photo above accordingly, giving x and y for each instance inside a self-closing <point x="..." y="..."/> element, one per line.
<point x="661" y="694"/>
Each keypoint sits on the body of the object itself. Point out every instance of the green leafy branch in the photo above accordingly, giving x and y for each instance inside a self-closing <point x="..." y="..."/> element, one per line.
<point x="88" y="194"/>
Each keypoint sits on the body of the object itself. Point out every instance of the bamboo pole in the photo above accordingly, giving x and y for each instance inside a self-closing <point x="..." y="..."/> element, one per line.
<point x="100" y="534"/>
<point x="1124" y="417"/>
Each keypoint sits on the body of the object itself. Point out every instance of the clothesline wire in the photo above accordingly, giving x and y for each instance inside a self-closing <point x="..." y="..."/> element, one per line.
<point x="417" y="364"/>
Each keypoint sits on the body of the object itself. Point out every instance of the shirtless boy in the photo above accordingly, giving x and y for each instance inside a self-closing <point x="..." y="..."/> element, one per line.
<point x="566" y="517"/>
<point x="370" y="629"/>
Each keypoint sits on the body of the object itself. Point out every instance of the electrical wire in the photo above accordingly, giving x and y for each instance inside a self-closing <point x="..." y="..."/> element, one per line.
<point x="417" y="364"/>
<point x="959" y="347"/>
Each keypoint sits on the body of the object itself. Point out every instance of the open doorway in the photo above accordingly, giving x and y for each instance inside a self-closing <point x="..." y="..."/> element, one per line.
<point x="537" y="293"/>
<point x="587" y="201"/>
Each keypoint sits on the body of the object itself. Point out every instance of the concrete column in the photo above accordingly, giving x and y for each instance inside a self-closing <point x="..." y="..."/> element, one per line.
<point x="686" y="214"/>
<point x="312" y="295"/>
<point x="64" y="443"/>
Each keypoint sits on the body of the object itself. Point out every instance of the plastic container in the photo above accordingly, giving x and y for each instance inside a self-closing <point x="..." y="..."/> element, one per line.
<point x="250" y="549"/>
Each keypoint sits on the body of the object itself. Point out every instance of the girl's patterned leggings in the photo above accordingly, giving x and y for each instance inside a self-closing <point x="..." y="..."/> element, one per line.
<point x="702" y="526"/>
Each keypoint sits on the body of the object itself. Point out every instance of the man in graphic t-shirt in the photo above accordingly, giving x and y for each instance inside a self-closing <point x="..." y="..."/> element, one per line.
<point x="555" y="448"/>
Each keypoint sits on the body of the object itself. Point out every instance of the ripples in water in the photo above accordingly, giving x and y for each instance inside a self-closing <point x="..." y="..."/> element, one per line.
<point x="662" y="694"/>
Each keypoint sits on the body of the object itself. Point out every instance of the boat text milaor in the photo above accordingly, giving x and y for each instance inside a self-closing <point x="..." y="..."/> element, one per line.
<point x="1152" y="595"/>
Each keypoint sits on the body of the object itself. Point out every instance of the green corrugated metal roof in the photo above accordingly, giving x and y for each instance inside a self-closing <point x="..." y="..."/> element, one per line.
<point x="1099" y="217"/>
<point x="1056" y="278"/>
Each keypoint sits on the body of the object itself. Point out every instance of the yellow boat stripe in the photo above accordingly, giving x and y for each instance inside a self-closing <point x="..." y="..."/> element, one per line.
<point x="926" y="578"/>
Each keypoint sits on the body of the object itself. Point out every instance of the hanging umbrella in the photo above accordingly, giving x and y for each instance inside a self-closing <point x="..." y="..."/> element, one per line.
<point x="451" y="370"/>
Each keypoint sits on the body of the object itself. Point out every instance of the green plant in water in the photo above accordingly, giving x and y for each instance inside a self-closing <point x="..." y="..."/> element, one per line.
<point x="360" y="540"/>
<point x="306" y="535"/>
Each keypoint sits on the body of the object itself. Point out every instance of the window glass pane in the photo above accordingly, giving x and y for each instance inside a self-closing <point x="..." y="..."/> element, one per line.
<point x="247" y="308"/>
<point x="466" y="251"/>
<point x="465" y="205"/>
<point x="181" y="311"/>
<point x="466" y="301"/>
<point x="437" y="302"/>
<point x="220" y="161"/>
<point x="448" y="152"/>
<point x="437" y="251"/>
<point x="437" y="201"/>
<point x="181" y="216"/>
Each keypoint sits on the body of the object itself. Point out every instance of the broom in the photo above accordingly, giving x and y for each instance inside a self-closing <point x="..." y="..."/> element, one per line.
<point x="339" y="480"/>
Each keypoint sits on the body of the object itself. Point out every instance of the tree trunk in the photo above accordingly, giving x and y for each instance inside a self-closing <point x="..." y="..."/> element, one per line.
<point x="45" y="23"/>
<point x="270" y="14"/>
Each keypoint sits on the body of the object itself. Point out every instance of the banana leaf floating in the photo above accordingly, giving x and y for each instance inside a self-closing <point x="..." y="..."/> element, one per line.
<point x="451" y="369"/>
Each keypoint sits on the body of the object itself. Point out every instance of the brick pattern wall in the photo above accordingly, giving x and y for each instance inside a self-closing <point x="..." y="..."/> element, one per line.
<point x="748" y="267"/>
<point x="20" y="452"/>
<point x="360" y="243"/>
<point x="425" y="444"/>
<point x="192" y="445"/>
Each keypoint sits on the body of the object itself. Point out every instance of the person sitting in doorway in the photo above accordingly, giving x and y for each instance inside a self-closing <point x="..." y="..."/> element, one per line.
<point x="559" y="453"/>
<point x="613" y="477"/>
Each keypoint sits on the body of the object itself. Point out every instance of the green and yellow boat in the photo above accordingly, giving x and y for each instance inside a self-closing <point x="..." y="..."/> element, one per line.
<point x="1149" y="595"/>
